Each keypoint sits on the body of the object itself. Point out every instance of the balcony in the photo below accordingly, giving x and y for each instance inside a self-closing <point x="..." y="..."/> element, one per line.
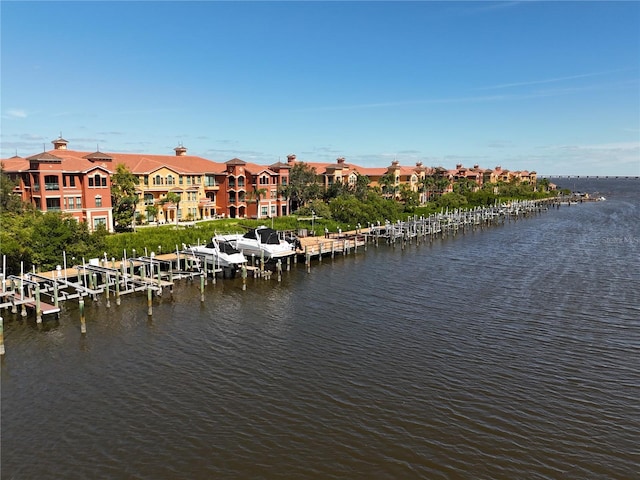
<point x="52" y="186"/>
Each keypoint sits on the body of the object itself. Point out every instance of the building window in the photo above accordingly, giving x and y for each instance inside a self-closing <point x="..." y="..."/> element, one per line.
<point x="148" y="199"/>
<point x="171" y="180"/>
<point x="78" y="202"/>
<point x="240" y="182"/>
<point x="97" y="181"/>
<point x="157" y="180"/>
<point x="283" y="180"/>
<point x="98" y="201"/>
<point x="263" y="211"/>
<point x="264" y="180"/>
<point x="99" y="221"/>
<point x="146" y="179"/>
<point x="53" y="203"/>
<point x="273" y="210"/>
<point x="51" y="182"/>
<point x="274" y="194"/>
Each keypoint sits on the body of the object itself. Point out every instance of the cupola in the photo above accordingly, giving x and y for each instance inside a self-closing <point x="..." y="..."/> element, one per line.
<point x="180" y="150"/>
<point x="59" y="143"/>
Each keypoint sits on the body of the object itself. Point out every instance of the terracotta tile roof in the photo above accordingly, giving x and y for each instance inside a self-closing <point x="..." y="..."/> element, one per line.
<point x="45" y="156"/>
<point x="146" y="164"/>
<point x="279" y="165"/>
<point x="235" y="161"/>
<point x="15" y="164"/>
<point x="98" y="156"/>
<point x="372" y="171"/>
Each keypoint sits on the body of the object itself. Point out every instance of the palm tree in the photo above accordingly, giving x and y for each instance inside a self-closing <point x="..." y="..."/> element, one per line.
<point x="172" y="197"/>
<point x="388" y="183"/>
<point x="152" y="212"/>
<point x="426" y="186"/>
<point x="258" y="194"/>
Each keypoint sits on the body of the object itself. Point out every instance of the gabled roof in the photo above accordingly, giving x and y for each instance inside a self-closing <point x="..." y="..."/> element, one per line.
<point x="98" y="155"/>
<point x="279" y="165"/>
<point x="235" y="161"/>
<point x="44" y="157"/>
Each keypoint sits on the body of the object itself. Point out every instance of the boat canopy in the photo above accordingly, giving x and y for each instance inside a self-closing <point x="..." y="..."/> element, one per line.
<point x="266" y="235"/>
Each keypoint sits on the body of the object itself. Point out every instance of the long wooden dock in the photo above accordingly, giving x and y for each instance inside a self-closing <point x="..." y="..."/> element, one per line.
<point x="155" y="273"/>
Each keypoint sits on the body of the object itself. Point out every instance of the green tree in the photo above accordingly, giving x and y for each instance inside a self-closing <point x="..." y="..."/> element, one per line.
<point x="427" y="185"/>
<point x="410" y="198"/>
<point x="361" y="187"/>
<point x="172" y="197"/>
<point x="9" y="201"/>
<point x="152" y="213"/>
<point x="258" y="194"/>
<point x="55" y="232"/>
<point x="464" y="186"/>
<point x="123" y="198"/>
<point x="442" y="184"/>
<point x="388" y="184"/>
<point x="303" y="185"/>
<point x="15" y="239"/>
<point x="451" y="200"/>
<point x="544" y="184"/>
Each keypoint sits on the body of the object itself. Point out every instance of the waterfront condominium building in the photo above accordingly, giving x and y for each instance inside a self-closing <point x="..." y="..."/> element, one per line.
<point x="180" y="187"/>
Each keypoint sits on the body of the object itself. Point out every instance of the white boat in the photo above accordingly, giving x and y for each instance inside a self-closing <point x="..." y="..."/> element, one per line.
<point x="220" y="252"/>
<point x="262" y="241"/>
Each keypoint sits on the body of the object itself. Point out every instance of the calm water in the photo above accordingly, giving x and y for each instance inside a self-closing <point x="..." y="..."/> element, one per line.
<point x="512" y="352"/>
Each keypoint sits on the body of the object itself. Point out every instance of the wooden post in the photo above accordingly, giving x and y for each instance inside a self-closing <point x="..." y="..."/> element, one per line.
<point x="106" y="286"/>
<point x="202" y="288"/>
<point x="1" y="336"/>
<point x="83" y="323"/>
<point x="279" y="269"/>
<point x="243" y="273"/>
<point x="117" y="287"/>
<point x="14" y="307"/>
<point x="55" y="293"/>
<point x="149" y="300"/>
<point x="94" y="278"/>
<point x="38" y="305"/>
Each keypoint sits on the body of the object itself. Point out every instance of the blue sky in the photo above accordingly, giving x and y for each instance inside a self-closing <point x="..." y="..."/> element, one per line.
<point x="547" y="86"/>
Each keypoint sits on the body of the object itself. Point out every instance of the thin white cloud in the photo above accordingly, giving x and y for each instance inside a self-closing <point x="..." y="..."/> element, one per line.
<point x="546" y="80"/>
<point x="16" y="113"/>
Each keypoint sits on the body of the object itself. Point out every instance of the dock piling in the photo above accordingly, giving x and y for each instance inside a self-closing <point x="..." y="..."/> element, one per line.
<point x="1" y="337"/>
<point x="149" y="300"/>
<point x="83" y="323"/>
<point x="244" y="276"/>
